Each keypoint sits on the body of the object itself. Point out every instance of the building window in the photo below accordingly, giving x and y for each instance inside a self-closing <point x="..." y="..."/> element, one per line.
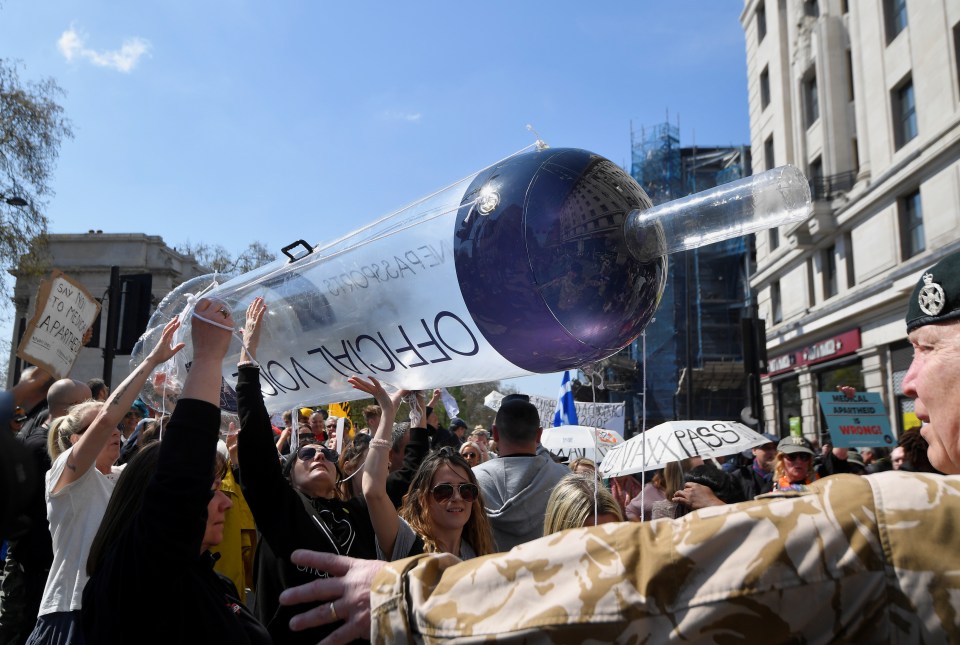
<point x="850" y="94"/>
<point x="848" y="260"/>
<point x="956" y="45"/>
<point x="811" y="102"/>
<point x="764" y="88"/>
<point x="895" y="17"/>
<point x="904" y="114"/>
<point x="774" y="239"/>
<point x="829" y="271"/>
<point x="811" y="292"/>
<point x="811" y="8"/>
<point x="911" y="225"/>
<point x="855" y="155"/>
<point x="768" y="161"/>
<point x="789" y="407"/>
<point x="818" y="187"/>
<point x="761" y="22"/>
<point x="776" y="306"/>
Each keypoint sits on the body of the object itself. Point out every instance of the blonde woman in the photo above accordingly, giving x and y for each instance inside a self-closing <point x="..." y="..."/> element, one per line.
<point x="794" y="464"/>
<point x="83" y="445"/>
<point x="673" y="481"/>
<point x="578" y="501"/>
<point x="473" y="453"/>
<point x="583" y="466"/>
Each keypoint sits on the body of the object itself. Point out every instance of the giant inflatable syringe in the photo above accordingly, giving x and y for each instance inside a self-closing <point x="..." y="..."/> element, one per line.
<point x="545" y="261"/>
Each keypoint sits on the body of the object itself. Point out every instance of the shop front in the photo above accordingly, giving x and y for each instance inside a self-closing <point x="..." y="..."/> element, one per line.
<point x="797" y="376"/>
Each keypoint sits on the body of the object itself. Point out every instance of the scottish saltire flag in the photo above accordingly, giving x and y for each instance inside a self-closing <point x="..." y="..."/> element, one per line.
<point x="566" y="414"/>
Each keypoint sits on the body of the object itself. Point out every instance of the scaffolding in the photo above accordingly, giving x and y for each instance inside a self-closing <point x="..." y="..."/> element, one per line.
<point x="694" y="356"/>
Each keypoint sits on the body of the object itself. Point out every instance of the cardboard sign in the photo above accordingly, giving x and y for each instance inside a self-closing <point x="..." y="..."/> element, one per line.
<point x="858" y="421"/>
<point x="54" y="337"/>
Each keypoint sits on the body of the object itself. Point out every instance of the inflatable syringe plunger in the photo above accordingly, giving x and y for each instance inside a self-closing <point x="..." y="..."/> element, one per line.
<point x="772" y="198"/>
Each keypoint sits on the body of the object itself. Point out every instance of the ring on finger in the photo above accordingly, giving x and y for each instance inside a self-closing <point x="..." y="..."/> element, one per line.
<point x="333" y="613"/>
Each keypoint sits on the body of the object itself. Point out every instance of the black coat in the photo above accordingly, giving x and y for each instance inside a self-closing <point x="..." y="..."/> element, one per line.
<point x="155" y="585"/>
<point x="288" y="520"/>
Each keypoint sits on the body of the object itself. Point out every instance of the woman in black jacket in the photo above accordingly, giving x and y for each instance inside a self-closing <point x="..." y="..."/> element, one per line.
<point x="151" y="571"/>
<point x="305" y="512"/>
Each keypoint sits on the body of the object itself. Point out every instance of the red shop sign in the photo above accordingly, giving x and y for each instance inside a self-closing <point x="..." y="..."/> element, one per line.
<point x="823" y="350"/>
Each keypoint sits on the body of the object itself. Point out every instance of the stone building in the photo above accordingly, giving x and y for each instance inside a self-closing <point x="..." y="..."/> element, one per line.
<point x="149" y="269"/>
<point x="864" y="97"/>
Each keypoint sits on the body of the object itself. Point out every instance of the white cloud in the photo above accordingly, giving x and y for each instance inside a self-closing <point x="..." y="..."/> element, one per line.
<point x="393" y="115"/>
<point x="72" y="44"/>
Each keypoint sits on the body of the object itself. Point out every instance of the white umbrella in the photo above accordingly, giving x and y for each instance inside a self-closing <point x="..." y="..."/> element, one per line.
<point x="677" y="440"/>
<point x="570" y="442"/>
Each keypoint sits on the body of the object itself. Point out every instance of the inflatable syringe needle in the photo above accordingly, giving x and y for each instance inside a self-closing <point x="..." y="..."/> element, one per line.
<point x="772" y="198"/>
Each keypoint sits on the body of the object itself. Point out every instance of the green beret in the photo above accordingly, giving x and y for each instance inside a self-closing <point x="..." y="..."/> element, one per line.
<point x="936" y="298"/>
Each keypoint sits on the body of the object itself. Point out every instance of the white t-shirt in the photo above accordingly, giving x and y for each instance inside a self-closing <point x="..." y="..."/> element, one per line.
<point x="75" y="513"/>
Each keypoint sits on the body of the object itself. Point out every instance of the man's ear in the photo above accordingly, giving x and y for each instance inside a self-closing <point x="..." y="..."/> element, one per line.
<point x="539" y="433"/>
<point x="496" y="433"/>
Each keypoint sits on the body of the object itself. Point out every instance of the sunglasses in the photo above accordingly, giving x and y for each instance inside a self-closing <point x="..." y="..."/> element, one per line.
<point x="309" y="452"/>
<point x="443" y="492"/>
<point x="469" y="455"/>
<point x="802" y="456"/>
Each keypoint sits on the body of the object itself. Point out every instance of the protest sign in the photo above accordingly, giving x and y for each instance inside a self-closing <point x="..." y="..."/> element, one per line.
<point x="54" y="336"/>
<point x="857" y="421"/>
<point x="596" y="415"/>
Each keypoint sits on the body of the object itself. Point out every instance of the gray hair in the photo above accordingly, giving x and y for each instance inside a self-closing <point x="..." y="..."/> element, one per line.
<point x="399" y="429"/>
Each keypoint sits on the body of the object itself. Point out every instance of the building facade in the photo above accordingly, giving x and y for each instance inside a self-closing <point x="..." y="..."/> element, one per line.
<point x="864" y="97"/>
<point x="149" y="269"/>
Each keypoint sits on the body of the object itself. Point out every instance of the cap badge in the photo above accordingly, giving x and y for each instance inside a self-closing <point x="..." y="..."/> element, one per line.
<point x="931" y="298"/>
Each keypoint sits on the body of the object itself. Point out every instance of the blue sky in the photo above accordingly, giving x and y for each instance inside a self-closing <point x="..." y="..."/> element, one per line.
<point x="228" y="121"/>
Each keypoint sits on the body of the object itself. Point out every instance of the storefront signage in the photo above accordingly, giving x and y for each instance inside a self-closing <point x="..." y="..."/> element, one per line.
<point x="823" y="350"/>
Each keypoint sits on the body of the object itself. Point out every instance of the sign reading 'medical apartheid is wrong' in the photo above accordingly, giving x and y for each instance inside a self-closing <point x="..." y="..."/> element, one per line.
<point x="860" y="420"/>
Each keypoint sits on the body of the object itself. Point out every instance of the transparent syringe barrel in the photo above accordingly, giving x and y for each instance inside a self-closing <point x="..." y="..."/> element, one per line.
<point x="772" y="198"/>
<point x="520" y="268"/>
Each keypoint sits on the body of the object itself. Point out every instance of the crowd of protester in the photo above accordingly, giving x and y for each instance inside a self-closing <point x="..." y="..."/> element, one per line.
<point x="133" y="504"/>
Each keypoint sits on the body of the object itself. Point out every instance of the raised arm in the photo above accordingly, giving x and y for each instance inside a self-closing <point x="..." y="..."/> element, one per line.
<point x="172" y="519"/>
<point x="383" y="514"/>
<point x="88" y="446"/>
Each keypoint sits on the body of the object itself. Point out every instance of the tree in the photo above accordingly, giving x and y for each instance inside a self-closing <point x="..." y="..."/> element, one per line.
<point x="222" y="261"/>
<point x="32" y="127"/>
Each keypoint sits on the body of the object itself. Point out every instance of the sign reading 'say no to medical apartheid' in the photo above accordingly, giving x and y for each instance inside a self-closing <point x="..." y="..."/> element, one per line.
<point x="856" y="421"/>
<point x="54" y="337"/>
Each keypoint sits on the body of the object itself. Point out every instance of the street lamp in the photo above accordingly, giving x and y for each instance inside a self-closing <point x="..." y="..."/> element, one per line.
<point x="19" y="202"/>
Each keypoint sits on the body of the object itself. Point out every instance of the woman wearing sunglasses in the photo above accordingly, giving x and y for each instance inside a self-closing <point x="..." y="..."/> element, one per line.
<point x="472" y="453"/>
<point x="294" y="503"/>
<point x="442" y="511"/>
<point x="794" y="467"/>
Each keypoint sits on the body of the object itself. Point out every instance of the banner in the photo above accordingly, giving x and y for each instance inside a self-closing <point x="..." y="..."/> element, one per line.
<point x="596" y="415"/>
<point x="54" y="337"/>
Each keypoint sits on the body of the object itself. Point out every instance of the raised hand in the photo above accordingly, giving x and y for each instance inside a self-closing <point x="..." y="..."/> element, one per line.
<point x="387" y="403"/>
<point x="252" y="328"/>
<point x="211" y="340"/>
<point x="164" y="351"/>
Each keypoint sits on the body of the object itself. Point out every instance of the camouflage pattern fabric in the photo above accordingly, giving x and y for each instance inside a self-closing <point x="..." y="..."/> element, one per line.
<point x="866" y="559"/>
